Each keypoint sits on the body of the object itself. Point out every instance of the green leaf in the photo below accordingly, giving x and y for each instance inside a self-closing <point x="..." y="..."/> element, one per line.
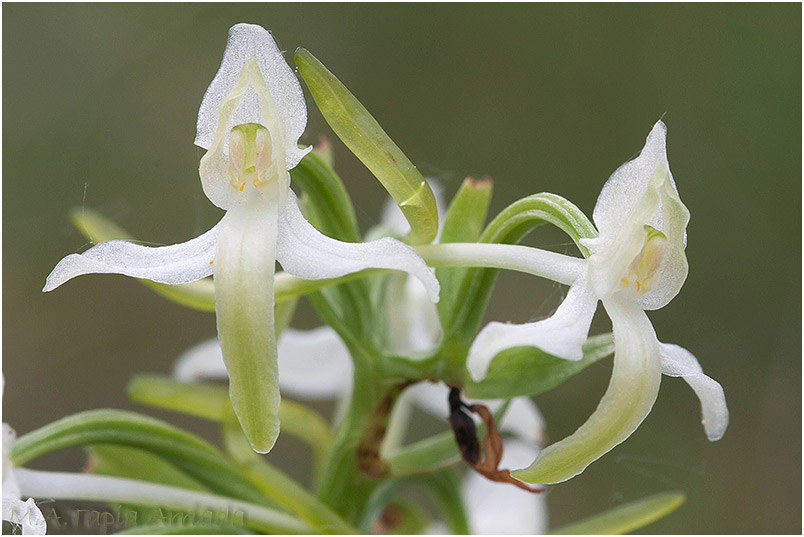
<point x="626" y="518"/>
<point x="277" y="485"/>
<point x="211" y="402"/>
<point x="530" y="371"/>
<point x="197" y="458"/>
<point x="133" y="463"/>
<point x="361" y="133"/>
<point x="462" y="223"/>
<point x="195" y="529"/>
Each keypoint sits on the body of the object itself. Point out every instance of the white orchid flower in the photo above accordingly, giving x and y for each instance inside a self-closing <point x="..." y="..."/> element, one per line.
<point x="23" y="513"/>
<point x="315" y="365"/>
<point x="637" y="263"/>
<point x="250" y="120"/>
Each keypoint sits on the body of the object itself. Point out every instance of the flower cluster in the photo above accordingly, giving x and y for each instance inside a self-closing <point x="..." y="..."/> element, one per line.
<point x="385" y="336"/>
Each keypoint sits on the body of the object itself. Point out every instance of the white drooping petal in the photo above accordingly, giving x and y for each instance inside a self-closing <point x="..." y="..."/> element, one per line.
<point x="306" y="253"/>
<point x="629" y="398"/>
<point x="245" y="259"/>
<point x="174" y="264"/>
<point x="562" y="334"/>
<point x="314" y="364"/>
<point x="500" y="509"/>
<point x="679" y="362"/>
<point x="26" y="514"/>
<point x="249" y="41"/>
<point x="202" y="361"/>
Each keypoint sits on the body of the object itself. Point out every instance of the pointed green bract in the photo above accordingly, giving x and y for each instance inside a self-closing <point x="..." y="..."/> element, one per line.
<point x="361" y="133"/>
<point x="626" y="518"/>
<point x="462" y="223"/>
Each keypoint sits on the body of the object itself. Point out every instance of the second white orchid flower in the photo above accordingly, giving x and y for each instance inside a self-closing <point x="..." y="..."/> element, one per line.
<point x="249" y="122"/>
<point x="637" y="263"/>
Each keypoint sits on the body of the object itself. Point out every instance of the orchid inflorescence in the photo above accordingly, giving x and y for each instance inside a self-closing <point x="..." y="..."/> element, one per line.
<point x="391" y="344"/>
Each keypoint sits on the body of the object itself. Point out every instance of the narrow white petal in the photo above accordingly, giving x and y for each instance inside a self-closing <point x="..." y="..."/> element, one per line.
<point x="314" y="364"/>
<point x="679" y="362"/>
<point x="174" y="264"/>
<point x="202" y="361"/>
<point x="629" y="398"/>
<point x="306" y="253"/>
<point x="26" y="514"/>
<point x="562" y="334"/>
<point x="500" y="509"/>
<point x="247" y="41"/>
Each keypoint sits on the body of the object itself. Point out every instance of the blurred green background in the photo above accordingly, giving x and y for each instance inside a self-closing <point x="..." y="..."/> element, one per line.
<point x="100" y="104"/>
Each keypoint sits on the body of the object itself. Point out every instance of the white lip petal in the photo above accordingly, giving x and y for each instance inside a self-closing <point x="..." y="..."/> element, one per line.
<point x="314" y="364"/>
<point x="562" y="334"/>
<point x="26" y="514"/>
<point x="679" y="362"/>
<point x="629" y="398"/>
<point x="500" y="509"/>
<point x="178" y="263"/>
<point x="248" y="41"/>
<point x="306" y="253"/>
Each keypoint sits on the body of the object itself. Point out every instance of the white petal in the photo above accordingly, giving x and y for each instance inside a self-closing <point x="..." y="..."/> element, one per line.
<point x="627" y="185"/>
<point x="174" y="264"/>
<point x="501" y="509"/>
<point x="562" y="334"/>
<point x="640" y="192"/>
<point x="629" y="398"/>
<point x="306" y="253"/>
<point x="314" y="364"/>
<point x="247" y="41"/>
<point x="202" y="361"/>
<point x="26" y="514"/>
<point x="679" y="362"/>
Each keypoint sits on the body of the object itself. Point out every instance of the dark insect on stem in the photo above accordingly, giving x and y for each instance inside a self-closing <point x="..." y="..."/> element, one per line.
<point x="463" y="427"/>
